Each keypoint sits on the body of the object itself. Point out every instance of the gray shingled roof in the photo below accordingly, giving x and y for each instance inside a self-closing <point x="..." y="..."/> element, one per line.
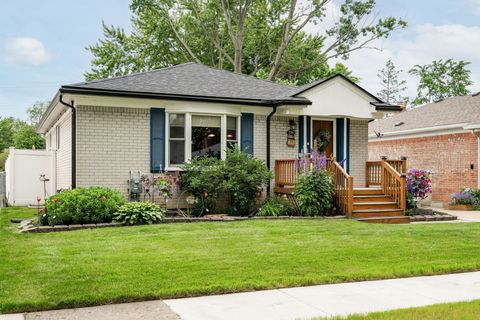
<point x="454" y="110"/>
<point x="192" y="79"/>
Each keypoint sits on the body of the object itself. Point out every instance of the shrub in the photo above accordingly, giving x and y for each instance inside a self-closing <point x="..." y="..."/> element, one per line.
<point x="476" y="197"/>
<point x="463" y="197"/>
<point x="419" y="186"/>
<point x="275" y="206"/>
<point x="202" y="176"/>
<point x="83" y="205"/>
<point x="244" y="176"/>
<point x="139" y="213"/>
<point x="240" y="177"/>
<point x="314" y="188"/>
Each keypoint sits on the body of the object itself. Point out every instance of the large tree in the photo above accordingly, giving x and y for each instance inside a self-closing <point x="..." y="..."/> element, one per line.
<point x="245" y="36"/>
<point x="391" y="85"/>
<point x="441" y="79"/>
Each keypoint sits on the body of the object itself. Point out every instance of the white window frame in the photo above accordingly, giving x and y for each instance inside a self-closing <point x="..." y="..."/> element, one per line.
<point x="188" y="134"/>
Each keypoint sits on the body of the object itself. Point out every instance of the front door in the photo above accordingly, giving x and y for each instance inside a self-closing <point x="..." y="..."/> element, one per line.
<point x="322" y="136"/>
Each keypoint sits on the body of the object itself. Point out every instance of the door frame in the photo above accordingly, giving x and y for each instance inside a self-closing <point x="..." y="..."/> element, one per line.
<point x="334" y="133"/>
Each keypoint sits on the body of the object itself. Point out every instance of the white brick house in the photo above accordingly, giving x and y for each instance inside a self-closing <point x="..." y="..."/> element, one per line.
<point x="154" y="121"/>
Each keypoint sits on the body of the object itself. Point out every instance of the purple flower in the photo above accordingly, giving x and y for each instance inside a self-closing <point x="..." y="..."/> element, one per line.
<point x="295" y="165"/>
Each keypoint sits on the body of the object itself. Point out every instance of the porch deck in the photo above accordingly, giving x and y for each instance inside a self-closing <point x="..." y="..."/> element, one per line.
<point x="383" y="199"/>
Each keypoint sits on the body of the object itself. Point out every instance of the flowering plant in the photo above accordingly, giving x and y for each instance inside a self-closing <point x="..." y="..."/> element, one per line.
<point x="314" y="188"/>
<point x="419" y="184"/>
<point x="165" y="184"/>
<point x="465" y="196"/>
<point x="306" y="165"/>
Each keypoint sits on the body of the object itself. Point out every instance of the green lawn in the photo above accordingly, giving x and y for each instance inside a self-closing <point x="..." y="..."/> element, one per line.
<point x="89" y="267"/>
<point x="448" y="311"/>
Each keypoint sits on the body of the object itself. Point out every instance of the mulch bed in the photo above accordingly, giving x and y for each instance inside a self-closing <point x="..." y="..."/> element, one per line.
<point x="28" y="226"/>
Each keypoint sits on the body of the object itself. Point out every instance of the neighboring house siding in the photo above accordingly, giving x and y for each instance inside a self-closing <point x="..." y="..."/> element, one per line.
<point x="449" y="156"/>
<point x="110" y="142"/>
<point x="358" y="151"/>
<point x="63" y="145"/>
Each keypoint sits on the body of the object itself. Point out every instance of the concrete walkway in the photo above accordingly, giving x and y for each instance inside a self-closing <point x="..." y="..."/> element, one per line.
<point x="331" y="300"/>
<point x="148" y="310"/>
<point x="462" y="216"/>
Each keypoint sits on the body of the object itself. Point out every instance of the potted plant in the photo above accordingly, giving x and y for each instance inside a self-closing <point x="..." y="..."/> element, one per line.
<point x="462" y="200"/>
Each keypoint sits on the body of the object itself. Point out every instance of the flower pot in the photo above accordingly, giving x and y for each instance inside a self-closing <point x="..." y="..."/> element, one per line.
<point x="465" y="207"/>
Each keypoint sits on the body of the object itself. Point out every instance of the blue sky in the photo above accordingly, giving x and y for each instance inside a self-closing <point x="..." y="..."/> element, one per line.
<point x="42" y="43"/>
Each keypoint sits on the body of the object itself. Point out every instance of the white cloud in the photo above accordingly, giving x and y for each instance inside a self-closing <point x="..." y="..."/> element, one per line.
<point x="424" y="44"/>
<point x="27" y="50"/>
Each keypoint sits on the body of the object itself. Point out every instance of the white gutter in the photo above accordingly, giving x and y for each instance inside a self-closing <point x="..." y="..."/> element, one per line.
<point x="421" y="130"/>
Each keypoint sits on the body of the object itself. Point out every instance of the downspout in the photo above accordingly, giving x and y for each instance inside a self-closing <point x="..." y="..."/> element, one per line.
<point x="74" y="140"/>
<point x="269" y="117"/>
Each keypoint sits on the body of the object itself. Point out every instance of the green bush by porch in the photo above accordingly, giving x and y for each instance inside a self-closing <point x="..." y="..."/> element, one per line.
<point x="89" y="267"/>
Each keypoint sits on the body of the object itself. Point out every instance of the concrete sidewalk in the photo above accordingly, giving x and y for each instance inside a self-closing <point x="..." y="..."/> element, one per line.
<point x="289" y="303"/>
<point x="331" y="300"/>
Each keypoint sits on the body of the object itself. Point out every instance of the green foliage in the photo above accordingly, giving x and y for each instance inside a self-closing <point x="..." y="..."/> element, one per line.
<point x="20" y="134"/>
<point x="244" y="176"/>
<point x="240" y="177"/>
<point x="7" y="126"/>
<point x="36" y="111"/>
<point x="275" y="206"/>
<point x="3" y="159"/>
<point x="476" y="197"/>
<point x="167" y="32"/>
<point x="83" y="205"/>
<point x="26" y="137"/>
<point x="314" y="192"/>
<point x="441" y="79"/>
<point x="391" y="85"/>
<point x="139" y="213"/>
<point x="202" y="177"/>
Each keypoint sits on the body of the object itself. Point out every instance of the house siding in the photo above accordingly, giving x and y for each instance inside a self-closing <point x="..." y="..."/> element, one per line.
<point x="449" y="156"/>
<point x="63" y="152"/>
<point x="279" y="126"/>
<point x="110" y="142"/>
<point x="358" y="151"/>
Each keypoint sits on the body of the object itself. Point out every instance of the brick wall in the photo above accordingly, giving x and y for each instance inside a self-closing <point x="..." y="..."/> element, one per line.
<point x="449" y="156"/>
<point x="278" y="139"/>
<point x="358" y="151"/>
<point x="111" y="142"/>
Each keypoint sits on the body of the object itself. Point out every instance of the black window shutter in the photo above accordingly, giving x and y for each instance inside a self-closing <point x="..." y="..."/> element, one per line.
<point x="157" y="139"/>
<point x="246" y="142"/>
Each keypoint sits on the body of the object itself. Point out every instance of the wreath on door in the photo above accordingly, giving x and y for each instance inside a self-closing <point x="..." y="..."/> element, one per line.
<point x="322" y="140"/>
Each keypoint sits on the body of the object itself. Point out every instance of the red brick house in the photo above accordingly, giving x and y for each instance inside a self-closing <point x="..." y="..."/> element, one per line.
<point x="443" y="136"/>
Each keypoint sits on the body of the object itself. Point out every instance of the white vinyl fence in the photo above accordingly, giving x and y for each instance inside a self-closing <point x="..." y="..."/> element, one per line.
<point x="23" y="170"/>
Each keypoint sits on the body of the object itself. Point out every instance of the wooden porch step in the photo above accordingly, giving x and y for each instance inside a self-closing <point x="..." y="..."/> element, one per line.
<point x="367" y="191"/>
<point x="374" y="205"/>
<point x="387" y="219"/>
<point x="284" y="190"/>
<point x="369" y="213"/>
<point x="372" y="198"/>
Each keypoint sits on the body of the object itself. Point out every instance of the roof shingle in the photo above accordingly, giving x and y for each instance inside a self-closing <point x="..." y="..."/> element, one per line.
<point x="454" y="110"/>
<point x="192" y="79"/>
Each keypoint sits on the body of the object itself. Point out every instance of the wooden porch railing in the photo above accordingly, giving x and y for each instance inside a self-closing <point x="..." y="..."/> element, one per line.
<point x="285" y="175"/>
<point x="373" y="171"/>
<point x="393" y="184"/>
<point x="343" y="185"/>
